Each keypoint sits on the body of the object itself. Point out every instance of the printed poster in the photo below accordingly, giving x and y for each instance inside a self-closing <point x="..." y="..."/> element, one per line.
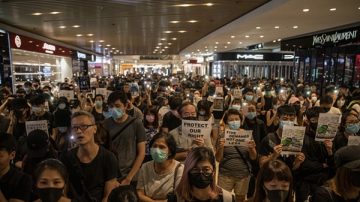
<point x="354" y="140"/>
<point x="69" y="94"/>
<point x="218" y="104"/>
<point x="196" y="129"/>
<point x="33" y="125"/>
<point x="237" y="137"/>
<point x="292" y="139"/>
<point x="328" y="125"/>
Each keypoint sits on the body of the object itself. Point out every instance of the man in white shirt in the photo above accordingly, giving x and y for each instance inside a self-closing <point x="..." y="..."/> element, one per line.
<point x="326" y="104"/>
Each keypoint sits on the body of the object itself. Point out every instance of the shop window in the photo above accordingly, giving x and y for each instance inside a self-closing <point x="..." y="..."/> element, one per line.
<point x="340" y="68"/>
<point x="349" y="65"/>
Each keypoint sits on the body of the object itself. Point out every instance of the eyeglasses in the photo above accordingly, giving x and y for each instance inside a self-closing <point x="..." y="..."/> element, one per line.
<point x="204" y="171"/>
<point x="81" y="127"/>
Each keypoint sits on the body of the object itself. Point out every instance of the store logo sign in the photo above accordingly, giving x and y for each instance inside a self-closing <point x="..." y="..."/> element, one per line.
<point x="17" y="41"/>
<point x="249" y="56"/>
<point x="81" y="55"/>
<point x="49" y="48"/>
<point x="288" y="57"/>
<point x="335" y="37"/>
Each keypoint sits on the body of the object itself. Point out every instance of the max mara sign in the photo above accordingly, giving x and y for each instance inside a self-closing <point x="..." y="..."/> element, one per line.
<point x="334" y="37"/>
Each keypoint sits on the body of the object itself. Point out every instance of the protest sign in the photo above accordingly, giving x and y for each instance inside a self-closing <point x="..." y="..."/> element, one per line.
<point x="69" y="94"/>
<point x="237" y="137"/>
<point x="219" y="91"/>
<point x="354" y="140"/>
<point x="292" y="139"/>
<point x="237" y="93"/>
<point x="33" y="125"/>
<point x="196" y="129"/>
<point x="218" y="104"/>
<point x="328" y="125"/>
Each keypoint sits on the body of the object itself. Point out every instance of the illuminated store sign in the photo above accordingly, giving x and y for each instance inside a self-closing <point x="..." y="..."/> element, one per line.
<point x="334" y="37"/>
<point x="49" y="48"/>
<point x="248" y="56"/>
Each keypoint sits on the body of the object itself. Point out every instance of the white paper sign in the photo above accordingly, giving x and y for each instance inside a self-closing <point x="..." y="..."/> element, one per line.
<point x="328" y="125"/>
<point x="237" y="137"/>
<point x="196" y="129"/>
<point x="69" y="94"/>
<point x="292" y="139"/>
<point x="219" y="91"/>
<point x="237" y="93"/>
<point x="101" y="91"/>
<point x="218" y="104"/>
<point x="33" y="125"/>
<point x="354" y="140"/>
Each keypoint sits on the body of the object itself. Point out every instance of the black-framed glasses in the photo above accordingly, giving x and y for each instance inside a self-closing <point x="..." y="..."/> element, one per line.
<point x="81" y="127"/>
<point x="204" y="171"/>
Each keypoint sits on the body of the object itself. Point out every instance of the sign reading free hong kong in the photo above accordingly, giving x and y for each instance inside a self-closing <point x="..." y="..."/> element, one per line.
<point x="26" y="43"/>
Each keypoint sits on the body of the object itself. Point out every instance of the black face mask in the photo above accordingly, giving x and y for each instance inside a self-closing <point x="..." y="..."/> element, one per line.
<point x="50" y="194"/>
<point x="190" y="118"/>
<point x="277" y="195"/>
<point x="199" y="180"/>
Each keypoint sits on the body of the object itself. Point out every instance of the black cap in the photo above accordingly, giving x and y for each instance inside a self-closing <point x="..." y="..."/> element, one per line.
<point x="38" y="143"/>
<point x="19" y="103"/>
<point x="348" y="157"/>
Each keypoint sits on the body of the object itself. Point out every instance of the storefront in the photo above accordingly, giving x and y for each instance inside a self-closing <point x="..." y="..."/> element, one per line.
<point x="327" y="58"/>
<point x="35" y="59"/>
<point x="5" y="68"/>
<point x="253" y="64"/>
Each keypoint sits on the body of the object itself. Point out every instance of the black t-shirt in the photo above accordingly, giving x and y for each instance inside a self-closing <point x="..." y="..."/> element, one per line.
<point x="98" y="116"/>
<point x="94" y="174"/>
<point x="16" y="185"/>
<point x="170" y="121"/>
<point x="324" y="194"/>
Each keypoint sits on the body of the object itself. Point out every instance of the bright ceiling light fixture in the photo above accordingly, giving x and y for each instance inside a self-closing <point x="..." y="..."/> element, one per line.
<point x="228" y="42"/>
<point x="295" y="26"/>
<point x="359" y="7"/>
<point x="101" y="41"/>
<point x="167" y="32"/>
<point x="76" y="26"/>
<point x="274" y="41"/>
<point x="209" y="4"/>
<point x="332" y="9"/>
<point x="108" y="45"/>
<point x="247" y="36"/>
<point x="163" y="39"/>
<point x="182" y="31"/>
<point x="169" y="44"/>
<point x="192" y="21"/>
<point x="90" y="34"/>
<point x="277" y="27"/>
<point x="240" y="42"/>
<point x="174" y="21"/>
<point x="225" y="46"/>
<point x="36" y="14"/>
<point x="305" y="10"/>
<point x="91" y="41"/>
<point x="62" y="27"/>
<point x="55" y="13"/>
<point x="184" y="5"/>
<point x="215" y="46"/>
<point x="217" y="42"/>
<point x="159" y="44"/>
<point x="258" y="27"/>
<point x="232" y="36"/>
<point x="174" y="39"/>
<point x="279" y="40"/>
<point x="79" y="35"/>
<point x="261" y="36"/>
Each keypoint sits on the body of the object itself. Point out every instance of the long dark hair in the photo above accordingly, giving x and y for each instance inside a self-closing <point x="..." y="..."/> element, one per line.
<point x="273" y="170"/>
<point x="153" y="111"/>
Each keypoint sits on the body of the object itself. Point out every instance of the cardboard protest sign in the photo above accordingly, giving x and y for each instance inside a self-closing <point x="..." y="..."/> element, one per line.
<point x="328" y="125"/>
<point x="292" y="139"/>
<point x="218" y="104"/>
<point x="237" y="137"/>
<point x="33" y="125"/>
<point x="69" y="94"/>
<point x="354" y="140"/>
<point x="196" y="129"/>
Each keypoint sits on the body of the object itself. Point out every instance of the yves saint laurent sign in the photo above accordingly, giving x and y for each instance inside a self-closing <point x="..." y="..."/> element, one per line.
<point x="334" y="37"/>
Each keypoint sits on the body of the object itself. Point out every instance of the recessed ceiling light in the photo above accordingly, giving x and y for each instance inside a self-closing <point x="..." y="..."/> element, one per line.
<point x="91" y="41"/>
<point x="113" y="48"/>
<point x="359" y="7"/>
<point x="162" y="49"/>
<point x="90" y="34"/>
<point x="163" y="39"/>
<point x="101" y="41"/>
<point x="258" y="27"/>
<point x="79" y="35"/>
<point x="209" y="4"/>
<point x="182" y="31"/>
<point x="105" y="48"/>
<point x="62" y="27"/>
<point x="217" y="42"/>
<point x="108" y="45"/>
<point x="295" y="26"/>
<point x="192" y="21"/>
<point x="174" y="39"/>
<point x="232" y="36"/>
<point x="247" y="36"/>
<point x="100" y="45"/>
<point x="184" y="5"/>
<point x="166" y="47"/>
<point x="55" y="13"/>
<point x="36" y="14"/>
<point x="174" y="21"/>
<point x="306" y="10"/>
<point x="121" y="52"/>
<point x="215" y="46"/>
<point x="76" y="26"/>
<point x="261" y="36"/>
<point x="159" y="44"/>
<point x="228" y="42"/>
<point x="168" y="32"/>
<point x="274" y="41"/>
<point x="332" y="9"/>
<point x="277" y="27"/>
<point x="279" y="40"/>
<point x="240" y="42"/>
<point x="225" y="46"/>
<point x="169" y="44"/>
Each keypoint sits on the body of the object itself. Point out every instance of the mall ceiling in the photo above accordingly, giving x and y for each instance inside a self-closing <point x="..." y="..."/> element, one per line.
<point x="125" y="27"/>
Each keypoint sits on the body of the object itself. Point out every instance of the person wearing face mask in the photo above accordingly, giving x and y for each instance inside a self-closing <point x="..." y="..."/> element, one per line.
<point x="98" y="110"/>
<point x="271" y="148"/>
<point x="128" y="137"/>
<point x="248" y="95"/>
<point x="62" y="122"/>
<point x="275" y="183"/>
<point x="39" y="112"/>
<point x="14" y="184"/>
<point x="187" y="111"/>
<point x="315" y="170"/>
<point x="349" y="126"/>
<point x="345" y="186"/>
<point x="341" y="102"/>
<point x="197" y="183"/>
<point x="151" y="124"/>
<point x="253" y="123"/>
<point x="326" y="105"/>
<point x="235" y="104"/>
<point x="235" y="162"/>
<point x="197" y="98"/>
<point x="159" y="178"/>
<point x="171" y="119"/>
<point x="132" y="110"/>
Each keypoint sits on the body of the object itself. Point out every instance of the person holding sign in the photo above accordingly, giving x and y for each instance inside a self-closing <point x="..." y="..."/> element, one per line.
<point x="39" y="113"/>
<point x="187" y="111"/>
<point x="349" y="126"/>
<point x="235" y="161"/>
<point x="271" y="148"/>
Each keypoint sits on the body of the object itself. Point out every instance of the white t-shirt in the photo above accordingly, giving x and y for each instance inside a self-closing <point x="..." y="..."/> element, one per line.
<point x="334" y="110"/>
<point x="157" y="186"/>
